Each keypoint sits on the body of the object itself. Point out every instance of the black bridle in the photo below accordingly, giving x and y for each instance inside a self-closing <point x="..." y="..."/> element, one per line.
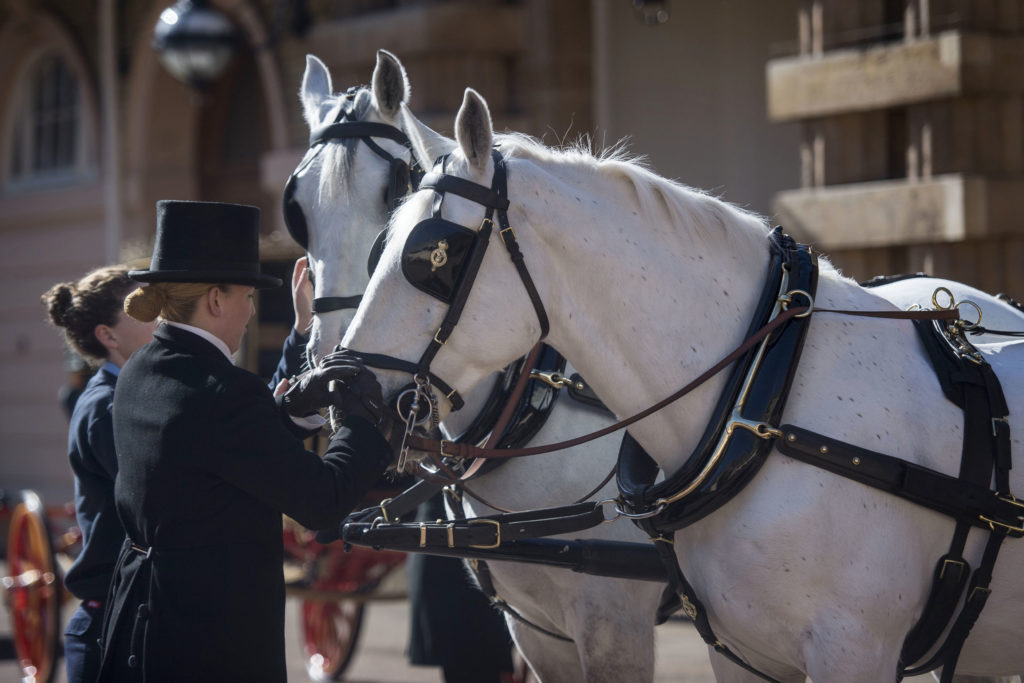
<point x="424" y="254"/>
<point x="403" y="178"/>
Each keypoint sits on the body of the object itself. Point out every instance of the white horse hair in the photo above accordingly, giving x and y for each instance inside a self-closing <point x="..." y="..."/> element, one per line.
<point x="647" y="283"/>
<point x="611" y="621"/>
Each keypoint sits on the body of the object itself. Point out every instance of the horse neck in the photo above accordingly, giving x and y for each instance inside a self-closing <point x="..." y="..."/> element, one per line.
<point x="651" y="286"/>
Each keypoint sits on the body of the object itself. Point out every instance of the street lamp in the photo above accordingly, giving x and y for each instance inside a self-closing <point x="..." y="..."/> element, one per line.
<point x="651" y="12"/>
<point x="194" y="42"/>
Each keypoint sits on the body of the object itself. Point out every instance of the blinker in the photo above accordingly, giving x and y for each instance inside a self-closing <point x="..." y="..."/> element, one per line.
<point x="294" y="219"/>
<point x="435" y="256"/>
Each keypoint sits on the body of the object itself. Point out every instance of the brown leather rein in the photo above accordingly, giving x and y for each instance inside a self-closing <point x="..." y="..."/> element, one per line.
<point x="445" y="448"/>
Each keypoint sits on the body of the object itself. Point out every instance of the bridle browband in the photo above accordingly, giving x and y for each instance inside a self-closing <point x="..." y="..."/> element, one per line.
<point x="495" y="200"/>
<point x="402" y="179"/>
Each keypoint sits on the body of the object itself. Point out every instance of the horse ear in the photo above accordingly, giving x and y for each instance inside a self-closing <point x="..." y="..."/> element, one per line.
<point x="316" y="88"/>
<point x="390" y="84"/>
<point x="473" y="129"/>
<point x="427" y="144"/>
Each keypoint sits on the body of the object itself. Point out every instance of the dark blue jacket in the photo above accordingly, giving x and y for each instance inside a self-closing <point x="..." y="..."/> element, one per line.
<point x="293" y="357"/>
<point x="94" y="463"/>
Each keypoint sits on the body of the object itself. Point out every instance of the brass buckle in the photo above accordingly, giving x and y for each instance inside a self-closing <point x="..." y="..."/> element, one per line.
<point x="423" y="534"/>
<point x="992" y="523"/>
<point x="447" y="455"/>
<point x="439" y="341"/>
<point x="555" y="379"/>
<point x="384" y="510"/>
<point x="945" y="563"/>
<point x="497" y="532"/>
<point x="508" y="229"/>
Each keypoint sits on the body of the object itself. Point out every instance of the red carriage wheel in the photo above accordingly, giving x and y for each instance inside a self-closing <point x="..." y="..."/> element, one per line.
<point x="330" y="631"/>
<point x="34" y="592"/>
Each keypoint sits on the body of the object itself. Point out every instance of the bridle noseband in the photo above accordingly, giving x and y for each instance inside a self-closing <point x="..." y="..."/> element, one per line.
<point x="403" y="178"/>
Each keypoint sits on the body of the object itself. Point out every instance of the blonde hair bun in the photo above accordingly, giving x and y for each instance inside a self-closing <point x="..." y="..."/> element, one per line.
<point x="145" y="303"/>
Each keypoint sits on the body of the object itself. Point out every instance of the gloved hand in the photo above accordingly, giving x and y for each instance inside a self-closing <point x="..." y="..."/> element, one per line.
<point x="312" y="390"/>
<point x="356" y="391"/>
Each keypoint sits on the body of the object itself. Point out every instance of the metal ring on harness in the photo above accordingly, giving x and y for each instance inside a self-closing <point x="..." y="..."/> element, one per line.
<point x="413" y="415"/>
<point x="969" y="325"/>
<point x="787" y="299"/>
<point x="642" y="515"/>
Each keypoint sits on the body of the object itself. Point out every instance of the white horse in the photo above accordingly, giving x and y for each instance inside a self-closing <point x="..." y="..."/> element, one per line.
<point x="610" y="621"/>
<point x="647" y="284"/>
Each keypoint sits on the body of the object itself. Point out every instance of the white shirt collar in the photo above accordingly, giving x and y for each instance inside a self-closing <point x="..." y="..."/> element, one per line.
<point x="205" y="334"/>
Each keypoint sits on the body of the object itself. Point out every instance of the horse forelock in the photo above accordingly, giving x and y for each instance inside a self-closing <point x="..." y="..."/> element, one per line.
<point x="338" y="157"/>
<point x="656" y="196"/>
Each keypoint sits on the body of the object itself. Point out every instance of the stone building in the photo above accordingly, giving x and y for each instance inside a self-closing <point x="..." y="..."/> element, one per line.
<point x="912" y="136"/>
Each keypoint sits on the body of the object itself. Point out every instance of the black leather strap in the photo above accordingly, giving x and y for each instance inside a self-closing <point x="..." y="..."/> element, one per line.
<point x="488" y="197"/>
<point x="326" y="304"/>
<point x="940" y="492"/>
<point x="465" y="286"/>
<point x="357" y="129"/>
<point x="480" y="532"/>
<point x="508" y="238"/>
<point x="384" y="362"/>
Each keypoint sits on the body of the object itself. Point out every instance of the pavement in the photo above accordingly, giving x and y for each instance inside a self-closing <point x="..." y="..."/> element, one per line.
<point x="380" y="654"/>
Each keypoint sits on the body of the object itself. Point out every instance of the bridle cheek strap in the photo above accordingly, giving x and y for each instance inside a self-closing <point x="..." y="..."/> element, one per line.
<point x="451" y="318"/>
<point x="508" y="238"/>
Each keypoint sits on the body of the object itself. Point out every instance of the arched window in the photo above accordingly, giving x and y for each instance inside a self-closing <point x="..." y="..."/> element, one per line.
<point x="48" y="145"/>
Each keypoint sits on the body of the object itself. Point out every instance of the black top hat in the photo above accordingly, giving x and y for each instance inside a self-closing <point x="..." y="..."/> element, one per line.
<point x="206" y="242"/>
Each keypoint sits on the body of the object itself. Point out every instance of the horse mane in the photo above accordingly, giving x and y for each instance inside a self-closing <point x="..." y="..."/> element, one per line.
<point x="337" y="159"/>
<point x="655" y="195"/>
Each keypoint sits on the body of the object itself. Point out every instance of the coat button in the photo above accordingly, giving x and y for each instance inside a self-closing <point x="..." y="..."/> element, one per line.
<point x="133" y="661"/>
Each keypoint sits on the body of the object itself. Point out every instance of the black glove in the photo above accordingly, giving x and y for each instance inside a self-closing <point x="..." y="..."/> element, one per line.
<point x="312" y="390"/>
<point x="357" y="392"/>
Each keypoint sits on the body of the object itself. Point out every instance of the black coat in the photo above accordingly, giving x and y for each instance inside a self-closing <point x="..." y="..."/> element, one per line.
<point x="207" y="464"/>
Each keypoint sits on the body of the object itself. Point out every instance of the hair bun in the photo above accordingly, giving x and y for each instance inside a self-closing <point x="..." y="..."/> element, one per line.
<point x="59" y="301"/>
<point x="145" y="303"/>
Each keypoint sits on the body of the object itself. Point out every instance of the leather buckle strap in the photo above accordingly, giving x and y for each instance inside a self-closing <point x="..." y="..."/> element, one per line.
<point x="485" y="196"/>
<point x="497" y="533"/>
<point x="357" y="129"/>
<point x="480" y="533"/>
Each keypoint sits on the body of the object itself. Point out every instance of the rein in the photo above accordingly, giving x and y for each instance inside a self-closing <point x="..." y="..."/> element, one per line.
<point x="444" y="447"/>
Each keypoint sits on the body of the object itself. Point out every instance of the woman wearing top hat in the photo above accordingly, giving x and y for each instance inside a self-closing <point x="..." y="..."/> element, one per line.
<point x="208" y="462"/>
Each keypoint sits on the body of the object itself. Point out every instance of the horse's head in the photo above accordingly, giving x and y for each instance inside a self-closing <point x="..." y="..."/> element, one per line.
<point x="357" y="169"/>
<point x="445" y="300"/>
